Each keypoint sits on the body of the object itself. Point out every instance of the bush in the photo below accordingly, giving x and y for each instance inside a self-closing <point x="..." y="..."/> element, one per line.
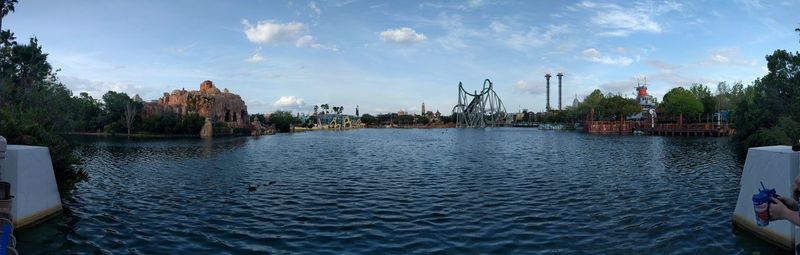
<point x="20" y="127"/>
<point x="282" y="120"/>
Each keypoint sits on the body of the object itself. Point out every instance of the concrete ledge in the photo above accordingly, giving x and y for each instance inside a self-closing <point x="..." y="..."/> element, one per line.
<point x="39" y="217"/>
<point x="775" y="238"/>
<point x="29" y="169"/>
<point x="776" y="167"/>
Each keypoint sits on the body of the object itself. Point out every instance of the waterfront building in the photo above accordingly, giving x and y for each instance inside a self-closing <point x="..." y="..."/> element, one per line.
<point x="423" y="109"/>
<point x="645" y="100"/>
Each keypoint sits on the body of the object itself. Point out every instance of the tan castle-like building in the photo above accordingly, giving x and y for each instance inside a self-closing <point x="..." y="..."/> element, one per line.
<point x="217" y="106"/>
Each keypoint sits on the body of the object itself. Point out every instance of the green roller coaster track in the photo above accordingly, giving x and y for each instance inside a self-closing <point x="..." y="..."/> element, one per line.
<point x="485" y="109"/>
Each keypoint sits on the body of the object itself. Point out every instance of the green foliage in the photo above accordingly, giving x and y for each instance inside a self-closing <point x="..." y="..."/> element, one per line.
<point x="703" y="93"/>
<point x="259" y="117"/>
<point x="681" y="101"/>
<point x="447" y="119"/>
<point x="34" y="106"/>
<point x="88" y="114"/>
<point x="172" y="123"/>
<point x="282" y="120"/>
<point x="767" y="112"/>
<point x="19" y="126"/>
<point x="616" y="106"/>
<point x="369" y="120"/>
<point x="606" y="107"/>
<point x="405" y="119"/>
<point x="423" y="120"/>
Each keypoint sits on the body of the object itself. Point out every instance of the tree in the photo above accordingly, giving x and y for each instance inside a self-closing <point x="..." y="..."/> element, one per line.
<point x="679" y="101"/>
<point x="336" y="109"/>
<point x="617" y="107"/>
<point x="369" y="120"/>
<point x="115" y="103"/>
<point x="282" y="120"/>
<point x="405" y="119"/>
<point x="325" y="108"/>
<point x="703" y="93"/>
<point x="766" y="112"/>
<point x="423" y="120"/>
<point x="6" y="6"/>
<point x="130" y="116"/>
<point x="34" y="105"/>
<point x="591" y="102"/>
<point x="259" y="117"/>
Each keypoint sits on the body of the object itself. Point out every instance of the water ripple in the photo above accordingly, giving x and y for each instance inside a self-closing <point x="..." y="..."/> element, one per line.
<point x="444" y="191"/>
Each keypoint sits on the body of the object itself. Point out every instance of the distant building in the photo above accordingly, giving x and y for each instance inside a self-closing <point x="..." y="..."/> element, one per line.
<point x="423" y="109"/>
<point x="401" y="113"/>
<point x="575" y="102"/>
<point x="645" y="100"/>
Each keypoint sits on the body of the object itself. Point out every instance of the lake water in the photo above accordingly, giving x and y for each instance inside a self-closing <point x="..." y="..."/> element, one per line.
<point x="396" y="191"/>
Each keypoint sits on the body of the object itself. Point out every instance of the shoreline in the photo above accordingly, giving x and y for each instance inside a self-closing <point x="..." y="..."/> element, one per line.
<point x="128" y="135"/>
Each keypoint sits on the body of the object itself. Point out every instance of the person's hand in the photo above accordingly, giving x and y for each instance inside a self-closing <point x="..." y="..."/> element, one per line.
<point x="778" y="210"/>
<point x="796" y="188"/>
<point x="791" y="204"/>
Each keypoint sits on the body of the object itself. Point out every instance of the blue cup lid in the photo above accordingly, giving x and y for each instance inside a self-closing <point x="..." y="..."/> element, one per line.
<point x="761" y="196"/>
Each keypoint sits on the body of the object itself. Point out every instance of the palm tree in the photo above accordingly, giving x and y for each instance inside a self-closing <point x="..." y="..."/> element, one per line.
<point x="6" y="6"/>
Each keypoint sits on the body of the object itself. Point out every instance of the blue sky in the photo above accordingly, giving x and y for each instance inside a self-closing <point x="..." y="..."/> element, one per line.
<point x="393" y="55"/>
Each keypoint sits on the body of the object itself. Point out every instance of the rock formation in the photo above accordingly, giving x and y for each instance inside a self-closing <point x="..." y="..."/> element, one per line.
<point x="220" y="108"/>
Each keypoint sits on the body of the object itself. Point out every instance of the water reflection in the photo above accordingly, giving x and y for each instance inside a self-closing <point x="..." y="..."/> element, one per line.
<point x="402" y="191"/>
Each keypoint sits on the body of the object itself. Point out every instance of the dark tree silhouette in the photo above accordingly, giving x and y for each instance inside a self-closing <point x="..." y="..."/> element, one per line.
<point x="6" y="6"/>
<point x="797" y="30"/>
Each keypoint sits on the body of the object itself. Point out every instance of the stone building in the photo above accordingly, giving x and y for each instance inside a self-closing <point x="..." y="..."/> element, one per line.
<point x="217" y="106"/>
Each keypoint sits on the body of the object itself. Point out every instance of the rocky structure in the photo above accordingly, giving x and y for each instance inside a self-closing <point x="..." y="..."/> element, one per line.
<point x="221" y="108"/>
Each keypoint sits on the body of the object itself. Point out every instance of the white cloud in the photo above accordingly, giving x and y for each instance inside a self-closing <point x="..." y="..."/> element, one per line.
<point x="268" y="32"/>
<point x="289" y="102"/>
<point x="308" y="41"/>
<point x="618" y="21"/>
<point x="719" y="58"/>
<point x="530" y="87"/>
<point x="304" y="40"/>
<point x="731" y="56"/>
<point x="97" y="88"/>
<point x="467" y="5"/>
<point x="594" y="55"/>
<point x="265" y="32"/>
<point x="623" y="23"/>
<point x="256" y="58"/>
<point x="523" y="41"/>
<point x="313" y="7"/>
<point x="403" y="35"/>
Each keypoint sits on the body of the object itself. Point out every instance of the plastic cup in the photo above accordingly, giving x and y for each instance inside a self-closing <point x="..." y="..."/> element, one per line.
<point x="761" y="208"/>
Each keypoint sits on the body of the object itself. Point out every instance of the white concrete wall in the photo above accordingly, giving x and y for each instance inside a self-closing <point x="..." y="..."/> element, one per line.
<point x="33" y="183"/>
<point x="776" y="167"/>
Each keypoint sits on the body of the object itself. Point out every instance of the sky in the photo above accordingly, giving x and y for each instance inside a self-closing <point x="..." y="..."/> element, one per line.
<point x="387" y="56"/>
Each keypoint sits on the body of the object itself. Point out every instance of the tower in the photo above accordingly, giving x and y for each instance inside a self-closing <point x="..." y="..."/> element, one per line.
<point x="559" y="89"/>
<point x="547" y="76"/>
<point x="423" y="109"/>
